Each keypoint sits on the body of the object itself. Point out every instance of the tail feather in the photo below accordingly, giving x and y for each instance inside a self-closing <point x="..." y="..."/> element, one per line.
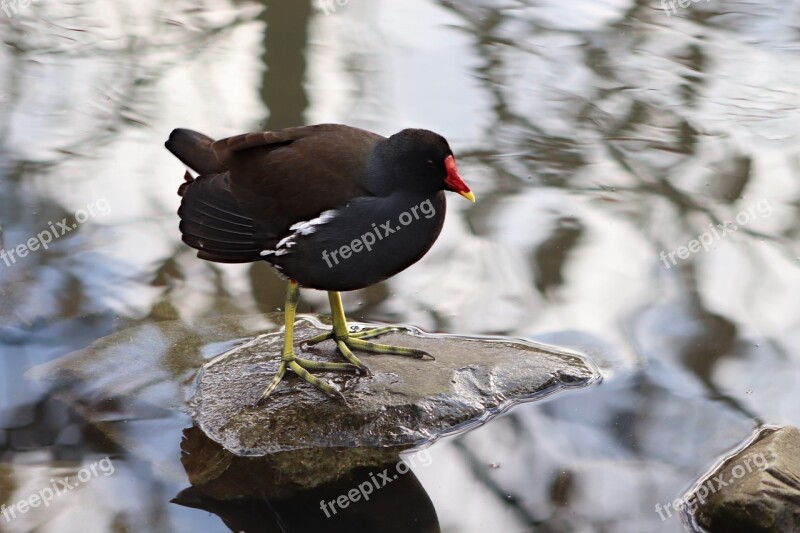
<point x="211" y="219"/>
<point x="194" y="149"/>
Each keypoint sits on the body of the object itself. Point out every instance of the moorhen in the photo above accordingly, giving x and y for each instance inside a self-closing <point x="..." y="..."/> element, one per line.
<point x="330" y="207"/>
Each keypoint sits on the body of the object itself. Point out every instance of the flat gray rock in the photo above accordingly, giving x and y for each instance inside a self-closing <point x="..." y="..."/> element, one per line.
<point x="216" y="369"/>
<point x="405" y="402"/>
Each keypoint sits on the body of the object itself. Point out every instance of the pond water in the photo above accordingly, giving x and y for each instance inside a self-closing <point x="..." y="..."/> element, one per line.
<point x="636" y="173"/>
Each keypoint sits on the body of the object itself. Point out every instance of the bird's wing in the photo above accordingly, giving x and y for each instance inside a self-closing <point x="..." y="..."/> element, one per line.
<point x="213" y="223"/>
<point x="293" y="175"/>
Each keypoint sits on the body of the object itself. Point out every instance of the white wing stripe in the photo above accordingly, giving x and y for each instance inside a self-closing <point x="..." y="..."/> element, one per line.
<point x="307" y="228"/>
<point x="300" y="228"/>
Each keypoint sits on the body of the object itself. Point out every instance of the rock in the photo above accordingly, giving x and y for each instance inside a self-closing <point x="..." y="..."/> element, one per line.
<point x="405" y="402"/>
<point x="144" y="375"/>
<point x="759" y="487"/>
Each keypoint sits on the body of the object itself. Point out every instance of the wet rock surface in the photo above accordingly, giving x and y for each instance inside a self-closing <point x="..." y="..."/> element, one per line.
<point x="216" y="369"/>
<point x="406" y="401"/>
<point x="761" y="499"/>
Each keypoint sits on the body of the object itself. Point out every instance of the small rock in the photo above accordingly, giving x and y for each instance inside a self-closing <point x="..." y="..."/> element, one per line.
<point x="756" y="490"/>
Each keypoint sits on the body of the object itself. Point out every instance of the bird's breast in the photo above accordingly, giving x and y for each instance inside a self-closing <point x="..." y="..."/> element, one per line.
<point x="364" y="242"/>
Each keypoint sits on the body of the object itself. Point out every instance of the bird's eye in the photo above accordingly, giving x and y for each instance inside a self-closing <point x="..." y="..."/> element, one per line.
<point x="430" y="162"/>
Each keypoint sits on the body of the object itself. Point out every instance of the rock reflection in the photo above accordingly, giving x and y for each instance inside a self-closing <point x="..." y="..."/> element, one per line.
<point x="255" y="495"/>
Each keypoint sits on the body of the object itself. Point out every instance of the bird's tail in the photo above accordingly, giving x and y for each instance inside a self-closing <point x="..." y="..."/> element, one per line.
<point x="211" y="220"/>
<point x="194" y="150"/>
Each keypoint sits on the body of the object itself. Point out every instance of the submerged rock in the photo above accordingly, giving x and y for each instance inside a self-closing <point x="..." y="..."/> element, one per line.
<point x="405" y="402"/>
<point x="757" y="489"/>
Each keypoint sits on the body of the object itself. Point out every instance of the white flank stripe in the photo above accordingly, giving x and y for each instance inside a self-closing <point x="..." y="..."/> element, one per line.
<point x="300" y="228"/>
<point x="307" y="228"/>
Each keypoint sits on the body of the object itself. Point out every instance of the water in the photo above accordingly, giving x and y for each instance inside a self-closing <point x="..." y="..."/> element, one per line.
<point x="636" y="202"/>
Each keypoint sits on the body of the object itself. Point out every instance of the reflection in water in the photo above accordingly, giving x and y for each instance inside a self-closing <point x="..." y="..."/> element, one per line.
<point x="255" y="495"/>
<point x="598" y="134"/>
<point x="284" y="95"/>
<point x="282" y="89"/>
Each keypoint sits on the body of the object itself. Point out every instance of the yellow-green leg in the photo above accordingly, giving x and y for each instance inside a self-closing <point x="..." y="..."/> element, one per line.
<point x="346" y="341"/>
<point x="299" y="365"/>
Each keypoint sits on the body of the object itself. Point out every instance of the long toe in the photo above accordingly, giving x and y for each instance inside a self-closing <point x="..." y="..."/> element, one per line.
<point x="272" y="384"/>
<point x="317" y="339"/>
<point x="373" y="332"/>
<point x="374" y="347"/>
<point x="328" y="388"/>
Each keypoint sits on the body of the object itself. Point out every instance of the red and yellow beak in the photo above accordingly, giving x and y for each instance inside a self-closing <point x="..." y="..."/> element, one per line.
<point x="454" y="181"/>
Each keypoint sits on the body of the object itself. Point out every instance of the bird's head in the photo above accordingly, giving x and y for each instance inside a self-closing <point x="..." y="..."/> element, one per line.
<point x="425" y="158"/>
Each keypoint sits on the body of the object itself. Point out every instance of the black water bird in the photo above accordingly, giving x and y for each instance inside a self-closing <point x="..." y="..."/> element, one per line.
<point x="330" y="207"/>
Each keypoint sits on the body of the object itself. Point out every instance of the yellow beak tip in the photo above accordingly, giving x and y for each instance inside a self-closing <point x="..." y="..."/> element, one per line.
<point x="468" y="195"/>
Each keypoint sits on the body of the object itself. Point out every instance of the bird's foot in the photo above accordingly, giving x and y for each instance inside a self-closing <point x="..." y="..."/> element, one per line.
<point x="348" y="341"/>
<point x="353" y="333"/>
<point x="303" y="367"/>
